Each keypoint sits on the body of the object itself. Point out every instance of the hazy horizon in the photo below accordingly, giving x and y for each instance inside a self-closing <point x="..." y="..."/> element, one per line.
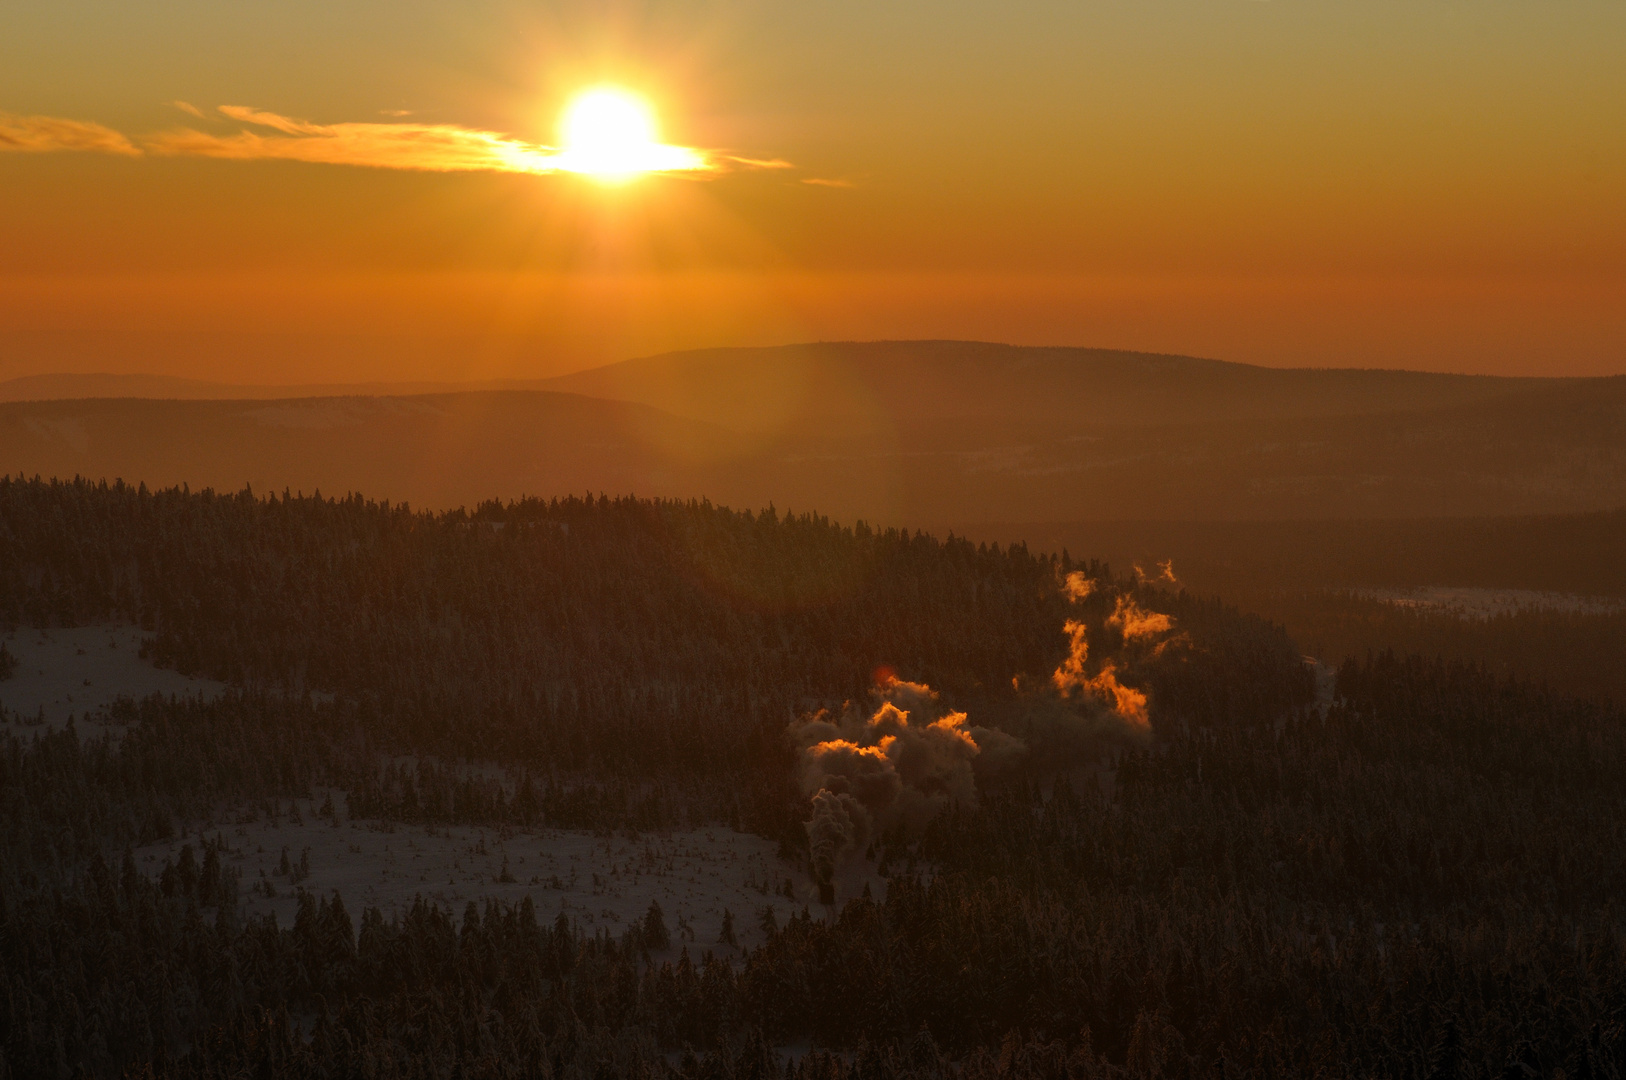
<point x="424" y="386"/>
<point x="367" y="193"/>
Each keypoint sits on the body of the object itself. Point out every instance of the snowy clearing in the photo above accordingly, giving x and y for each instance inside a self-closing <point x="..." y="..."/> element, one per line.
<point x="1467" y="602"/>
<point x="80" y="671"/>
<point x="598" y="880"/>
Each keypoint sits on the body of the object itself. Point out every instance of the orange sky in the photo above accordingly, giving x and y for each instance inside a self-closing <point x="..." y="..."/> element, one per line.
<point x="1432" y="185"/>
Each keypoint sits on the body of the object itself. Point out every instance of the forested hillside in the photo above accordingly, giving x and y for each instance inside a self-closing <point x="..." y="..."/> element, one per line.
<point x="1333" y="584"/>
<point x="1417" y="876"/>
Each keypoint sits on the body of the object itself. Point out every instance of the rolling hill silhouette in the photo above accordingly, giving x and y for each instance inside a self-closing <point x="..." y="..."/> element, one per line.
<point x="845" y="386"/>
<point x="922" y="433"/>
<point x="71" y="386"/>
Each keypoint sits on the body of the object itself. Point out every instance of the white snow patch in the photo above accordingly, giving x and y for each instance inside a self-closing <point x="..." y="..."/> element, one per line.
<point x="599" y="880"/>
<point x="80" y="671"/>
<point x="1467" y="602"/>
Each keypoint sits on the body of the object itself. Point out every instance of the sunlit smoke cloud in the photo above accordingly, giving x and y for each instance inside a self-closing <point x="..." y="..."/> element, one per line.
<point x="907" y="756"/>
<point x="1136" y="624"/>
<point x="901" y="763"/>
<point x="44" y="134"/>
<point x="1125" y="701"/>
<point x="1070" y="675"/>
<point x="910" y="754"/>
<point x="1071" y="678"/>
<point x="1075" y="586"/>
<point x="1164" y="575"/>
<point x="1072" y="682"/>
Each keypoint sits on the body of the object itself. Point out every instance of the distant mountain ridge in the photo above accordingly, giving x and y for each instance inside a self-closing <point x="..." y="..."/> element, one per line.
<point x="852" y="383"/>
<point x="80" y="386"/>
<point x="929" y="379"/>
<point x="913" y="433"/>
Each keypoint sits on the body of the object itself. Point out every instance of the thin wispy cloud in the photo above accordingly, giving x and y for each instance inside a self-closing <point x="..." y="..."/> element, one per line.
<point x="418" y="147"/>
<point x="402" y="145"/>
<point x="44" y="134"/>
<point x="819" y="181"/>
<point x="413" y="146"/>
<point x="758" y="163"/>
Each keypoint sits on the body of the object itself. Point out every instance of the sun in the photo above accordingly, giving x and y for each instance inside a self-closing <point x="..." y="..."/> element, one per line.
<point x="611" y="133"/>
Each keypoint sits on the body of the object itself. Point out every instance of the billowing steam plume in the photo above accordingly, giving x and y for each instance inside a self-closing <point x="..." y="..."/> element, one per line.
<point x="1075" y="586"/>
<point x="1164" y="575"/>
<point x="1134" y="624"/>
<point x="902" y="763"/>
<point x="907" y="757"/>
<point x="839" y="825"/>
<point x="1070" y="680"/>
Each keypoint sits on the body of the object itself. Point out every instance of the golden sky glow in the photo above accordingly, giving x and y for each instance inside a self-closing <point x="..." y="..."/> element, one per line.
<point x="606" y="132"/>
<point x="1295" y="182"/>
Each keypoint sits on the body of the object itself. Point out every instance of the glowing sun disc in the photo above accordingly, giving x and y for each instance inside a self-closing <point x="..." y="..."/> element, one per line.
<point x="610" y="133"/>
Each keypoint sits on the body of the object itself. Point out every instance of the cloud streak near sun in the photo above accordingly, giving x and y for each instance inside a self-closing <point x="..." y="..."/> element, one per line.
<point x="43" y="134"/>
<point x="411" y="146"/>
<point x="418" y="147"/>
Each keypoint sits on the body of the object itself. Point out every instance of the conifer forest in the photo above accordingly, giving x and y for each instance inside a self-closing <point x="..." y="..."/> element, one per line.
<point x="1027" y="815"/>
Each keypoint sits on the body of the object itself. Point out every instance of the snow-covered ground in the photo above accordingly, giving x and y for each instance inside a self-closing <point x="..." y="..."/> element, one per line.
<point x="79" y="672"/>
<point x="597" y="879"/>
<point x="600" y="880"/>
<point x="1467" y="602"/>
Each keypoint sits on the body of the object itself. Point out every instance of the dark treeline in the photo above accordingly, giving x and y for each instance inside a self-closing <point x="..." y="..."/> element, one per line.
<point x="633" y="661"/>
<point x="1566" y="553"/>
<point x="1420" y="881"/>
<point x="1573" y="650"/>
<point x="1310" y="576"/>
<point x="641" y="639"/>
